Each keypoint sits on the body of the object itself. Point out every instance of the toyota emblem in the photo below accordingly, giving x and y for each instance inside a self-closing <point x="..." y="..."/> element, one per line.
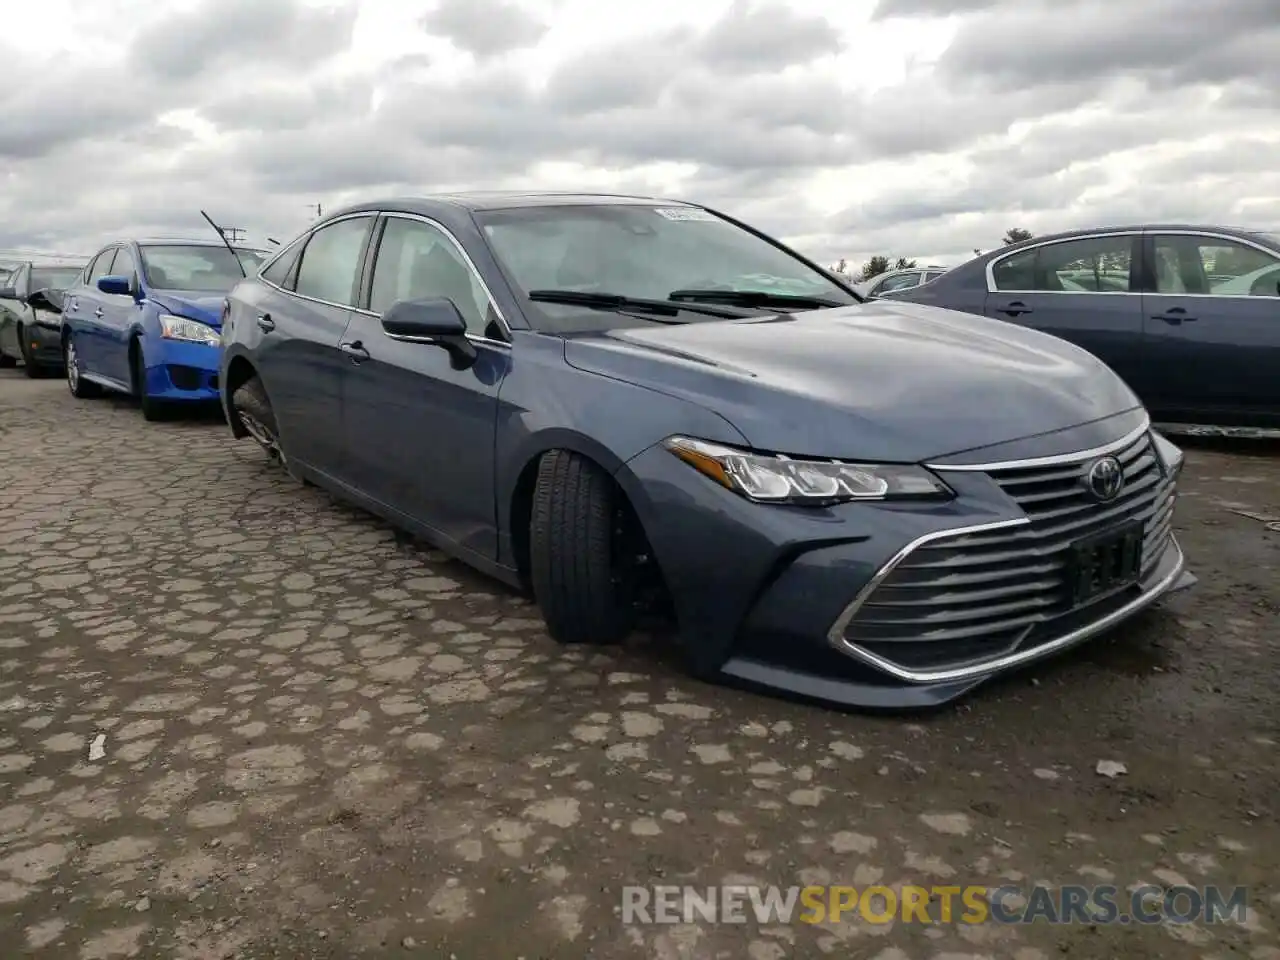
<point x="1105" y="478"/>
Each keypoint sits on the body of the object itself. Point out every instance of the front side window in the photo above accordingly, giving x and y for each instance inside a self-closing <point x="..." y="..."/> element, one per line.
<point x="636" y="250"/>
<point x="198" y="268"/>
<point x="1213" y="265"/>
<point x="102" y="264"/>
<point x="123" y="265"/>
<point x="331" y="261"/>
<point x="417" y="262"/>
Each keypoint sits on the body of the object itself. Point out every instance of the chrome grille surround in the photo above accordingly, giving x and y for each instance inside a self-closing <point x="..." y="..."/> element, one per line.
<point x="967" y="602"/>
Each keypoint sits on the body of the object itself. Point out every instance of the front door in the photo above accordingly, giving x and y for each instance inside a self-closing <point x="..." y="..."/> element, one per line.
<point x="419" y="432"/>
<point x="1082" y="290"/>
<point x="1213" y="323"/>
<point x="83" y="311"/>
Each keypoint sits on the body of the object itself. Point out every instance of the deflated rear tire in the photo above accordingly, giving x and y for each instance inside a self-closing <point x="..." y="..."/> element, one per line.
<point x="583" y="586"/>
<point x="250" y="404"/>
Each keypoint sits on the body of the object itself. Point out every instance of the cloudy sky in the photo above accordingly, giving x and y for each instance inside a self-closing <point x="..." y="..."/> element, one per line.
<point x="923" y="128"/>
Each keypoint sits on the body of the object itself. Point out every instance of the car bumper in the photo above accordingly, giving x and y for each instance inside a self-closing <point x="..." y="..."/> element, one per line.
<point x="43" y="344"/>
<point x="182" y="372"/>
<point x="895" y="605"/>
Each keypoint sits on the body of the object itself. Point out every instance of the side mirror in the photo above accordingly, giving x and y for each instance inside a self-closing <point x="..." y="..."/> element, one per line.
<point x="116" y="285"/>
<point x="8" y="293"/>
<point x="434" y="321"/>
<point x="46" y="300"/>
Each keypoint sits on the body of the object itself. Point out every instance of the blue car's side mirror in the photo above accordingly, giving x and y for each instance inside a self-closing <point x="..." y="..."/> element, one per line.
<point x="115" y="285"/>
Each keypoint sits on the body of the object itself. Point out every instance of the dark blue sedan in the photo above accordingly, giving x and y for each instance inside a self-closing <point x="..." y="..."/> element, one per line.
<point x="616" y="401"/>
<point x="1189" y="316"/>
<point x="144" y="319"/>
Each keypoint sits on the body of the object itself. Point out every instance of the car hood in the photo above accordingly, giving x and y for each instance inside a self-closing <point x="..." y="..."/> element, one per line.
<point x="884" y="380"/>
<point x="197" y="305"/>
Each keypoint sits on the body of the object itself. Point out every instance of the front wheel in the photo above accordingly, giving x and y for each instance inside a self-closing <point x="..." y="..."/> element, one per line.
<point x="152" y="409"/>
<point x="29" y="366"/>
<point x="581" y="579"/>
<point x="250" y="403"/>
<point x="80" y="388"/>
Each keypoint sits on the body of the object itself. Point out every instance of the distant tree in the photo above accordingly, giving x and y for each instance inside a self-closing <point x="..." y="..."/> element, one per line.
<point x="1016" y="235"/>
<point x="874" y="267"/>
<point x="841" y="267"/>
<point x="904" y="264"/>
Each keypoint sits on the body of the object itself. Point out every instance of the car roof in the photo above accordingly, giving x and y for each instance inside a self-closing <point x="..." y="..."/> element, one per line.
<point x="1243" y="232"/>
<point x="476" y="200"/>
<point x="184" y="241"/>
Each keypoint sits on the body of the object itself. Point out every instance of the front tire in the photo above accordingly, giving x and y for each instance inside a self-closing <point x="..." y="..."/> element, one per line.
<point x="583" y="586"/>
<point x="30" y="367"/>
<point x="153" y="410"/>
<point x="250" y="403"/>
<point x="80" y="388"/>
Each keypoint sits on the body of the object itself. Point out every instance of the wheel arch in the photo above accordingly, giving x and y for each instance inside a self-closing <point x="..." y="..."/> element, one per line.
<point x="240" y="370"/>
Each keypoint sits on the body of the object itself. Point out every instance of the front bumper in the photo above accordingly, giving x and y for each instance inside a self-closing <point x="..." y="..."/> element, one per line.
<point x="43" y="344"/>
<point x="182" y="371"/>
<point x="898" y="605"/>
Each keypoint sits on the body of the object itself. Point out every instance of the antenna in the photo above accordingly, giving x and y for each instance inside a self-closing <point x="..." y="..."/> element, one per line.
<point x="319" y="211"/>
<point x="223" y="237"/>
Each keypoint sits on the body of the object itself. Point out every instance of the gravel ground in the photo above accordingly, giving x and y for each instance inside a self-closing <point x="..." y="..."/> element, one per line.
<point x="324" y="741"/>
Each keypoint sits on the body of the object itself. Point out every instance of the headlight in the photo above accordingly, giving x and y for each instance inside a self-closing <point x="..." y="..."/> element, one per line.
<point x="1171" y="457"/>
<point x="770" y="478"/>
<point x="192" y="331"/>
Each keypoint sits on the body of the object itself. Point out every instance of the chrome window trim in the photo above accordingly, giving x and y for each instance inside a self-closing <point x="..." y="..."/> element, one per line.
<point x="991" y="264"/>
<point x="836" y="638"/>
<point x="1053" y="459"/>
<point x="502" y="320"/>
<point x="1211" y="234"/>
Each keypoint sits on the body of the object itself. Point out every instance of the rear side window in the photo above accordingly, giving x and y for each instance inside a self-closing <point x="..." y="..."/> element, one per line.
<point x="1017" y="272"/>
<point x="282" y="267"/>
<point x="331" y="261"/>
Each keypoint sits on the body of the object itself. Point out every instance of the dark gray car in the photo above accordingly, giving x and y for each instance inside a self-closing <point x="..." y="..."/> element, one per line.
<point x="614" y="401"/>
<point x="31" y="315"/>
<point x="1189" y="316"/>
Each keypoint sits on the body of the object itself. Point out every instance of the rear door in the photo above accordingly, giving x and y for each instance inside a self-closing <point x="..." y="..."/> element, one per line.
<point x="13" y="311"/>
<point x="1213" y="323"/>
<point x="301" y="318"/>
<point x="1082" y="290"/>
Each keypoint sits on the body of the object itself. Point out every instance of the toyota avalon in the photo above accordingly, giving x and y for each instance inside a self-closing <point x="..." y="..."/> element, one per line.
<point x="615" y="401"/>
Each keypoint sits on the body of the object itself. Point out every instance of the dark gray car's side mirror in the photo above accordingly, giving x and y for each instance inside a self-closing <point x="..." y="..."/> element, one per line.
<point x="437" y="321"/>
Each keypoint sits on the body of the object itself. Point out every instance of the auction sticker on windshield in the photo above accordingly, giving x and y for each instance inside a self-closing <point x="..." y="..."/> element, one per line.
<point x="686" y="213"/>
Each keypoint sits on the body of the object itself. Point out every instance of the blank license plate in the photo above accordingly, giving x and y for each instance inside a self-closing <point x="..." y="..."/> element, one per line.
<point x="1105" y="563"/>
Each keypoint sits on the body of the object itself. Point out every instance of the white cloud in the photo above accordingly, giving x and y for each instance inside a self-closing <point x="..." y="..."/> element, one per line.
<point x="919" y="127"/>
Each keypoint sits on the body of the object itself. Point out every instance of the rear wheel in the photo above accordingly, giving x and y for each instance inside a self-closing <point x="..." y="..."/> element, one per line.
<point x="583" y="577"/>
<point x="250" y="403"/>
<point x="80" y="388"/>
<point x="6" y="361"/>
<point x="152" y="409"/>
<point x="29" y="366"/>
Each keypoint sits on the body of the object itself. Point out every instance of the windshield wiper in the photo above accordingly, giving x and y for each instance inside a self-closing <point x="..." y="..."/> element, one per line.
<point x="616" y="301"/>
<point x="753" y="298"/>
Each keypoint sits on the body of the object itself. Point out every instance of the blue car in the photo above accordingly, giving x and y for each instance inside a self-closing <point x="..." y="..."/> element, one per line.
<point x="144" y="319"/>
<point x="620" y="403"/>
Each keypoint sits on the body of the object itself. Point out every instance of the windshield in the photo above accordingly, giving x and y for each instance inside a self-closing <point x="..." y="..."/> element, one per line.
<point x="54" y="278"/>
<point x="204" y="269"/>
<point x="644" y="252"/>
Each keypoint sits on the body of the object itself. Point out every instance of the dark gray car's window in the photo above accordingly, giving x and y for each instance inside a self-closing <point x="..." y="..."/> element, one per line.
<point x="639" y="251"/>
<point x="331" y="261"/>
<point x="54" y="278"/>
<point x="1214" y="265"/>
<point x="279" y="270"/>
<point x="900" y="282"/>
<point x="417" y="262"/>
<point x="1086" y="265"/>
<point x="1016" y="272"/>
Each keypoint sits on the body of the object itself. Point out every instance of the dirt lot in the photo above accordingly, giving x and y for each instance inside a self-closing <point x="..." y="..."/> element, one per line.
<point x="321" y="741"/>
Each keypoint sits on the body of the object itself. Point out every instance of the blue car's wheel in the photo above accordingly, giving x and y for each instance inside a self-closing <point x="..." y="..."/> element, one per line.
<point x="581" y="579"/>
<point x="80" y="388"/>
<point x="152" y="409"/>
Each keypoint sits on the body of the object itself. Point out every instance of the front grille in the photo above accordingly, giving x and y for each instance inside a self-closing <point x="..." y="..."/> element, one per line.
<point x="963" y="599"/>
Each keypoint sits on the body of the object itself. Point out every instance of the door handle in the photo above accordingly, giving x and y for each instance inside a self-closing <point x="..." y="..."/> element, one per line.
<point x="1174" y="315"/>
<point x="98" y="313"/>
<point x="1015" y="309"/>
<point x="355" y="351"/>
<point x="265" y="323"/>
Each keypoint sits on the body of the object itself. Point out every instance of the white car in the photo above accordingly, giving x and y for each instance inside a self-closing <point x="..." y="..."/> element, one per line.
<point x="898" y="280"/>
